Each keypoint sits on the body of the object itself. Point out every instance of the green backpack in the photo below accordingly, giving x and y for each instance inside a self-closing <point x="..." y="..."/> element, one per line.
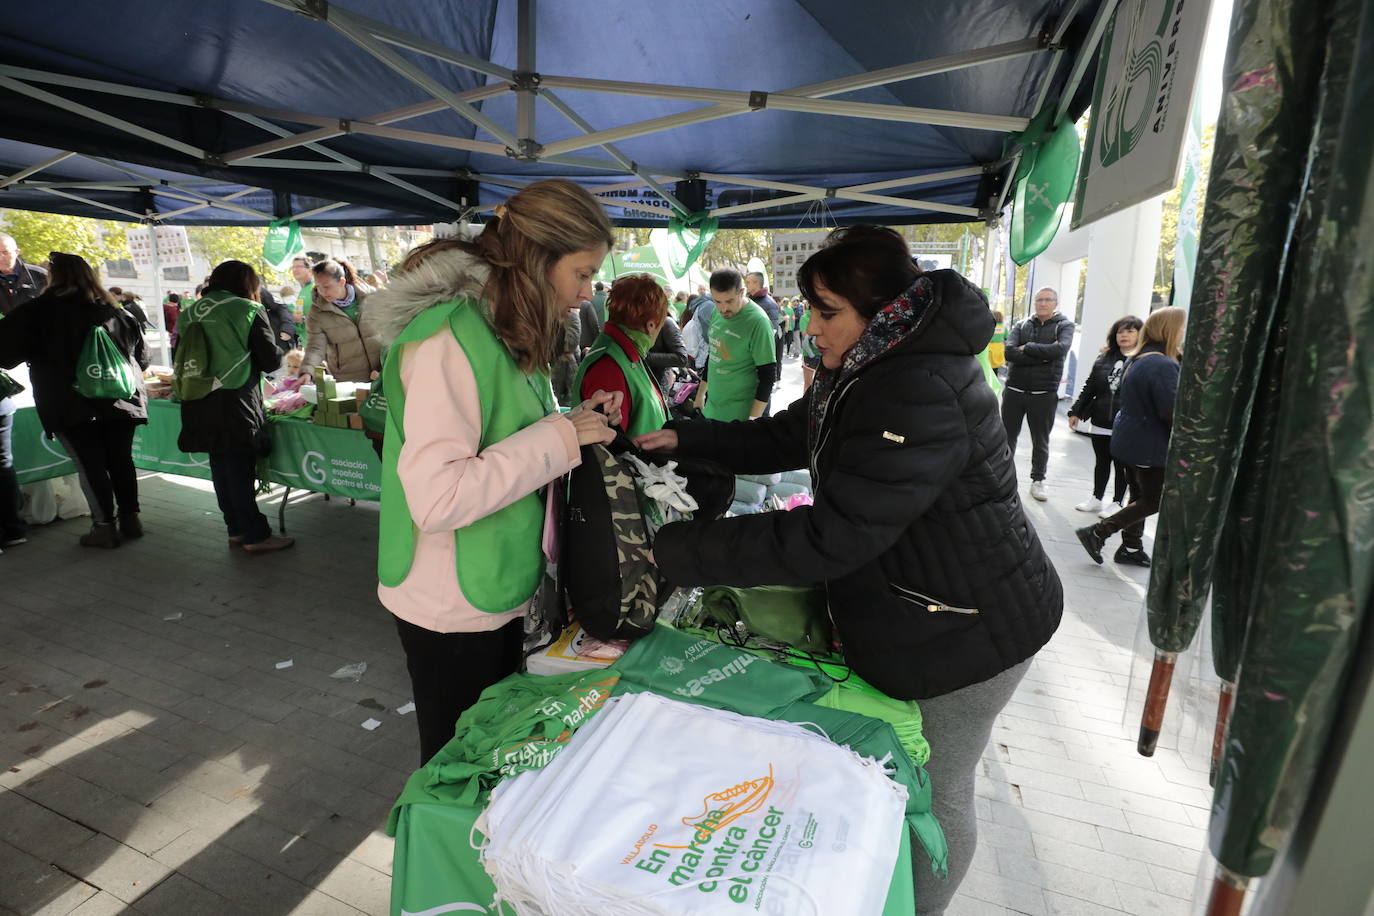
<point x="103" y="372"/>
<point x="193" y="378"/>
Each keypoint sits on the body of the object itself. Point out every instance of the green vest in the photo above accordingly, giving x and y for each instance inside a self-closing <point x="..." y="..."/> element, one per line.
<point x="499" y="558"/>
<point x="650" y="411"/>
<point x="226" y="320"/>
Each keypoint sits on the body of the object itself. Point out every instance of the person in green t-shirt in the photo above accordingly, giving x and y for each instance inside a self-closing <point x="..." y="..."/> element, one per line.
<point x="300" y="271"/>
<point x="742" y="366"/>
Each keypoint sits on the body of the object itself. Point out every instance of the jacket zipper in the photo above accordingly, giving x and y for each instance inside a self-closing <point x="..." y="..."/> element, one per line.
<point x="831" y="405"/>
<point x="933" y="605"/>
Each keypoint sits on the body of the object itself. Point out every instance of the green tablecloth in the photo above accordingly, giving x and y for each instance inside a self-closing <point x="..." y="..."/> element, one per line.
<point x="305" y="456"/>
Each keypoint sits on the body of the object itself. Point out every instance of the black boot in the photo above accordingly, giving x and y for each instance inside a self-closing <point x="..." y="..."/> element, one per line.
<point x="101" y="535"/>
<point x="130" y="526"/>
<point x="1092" y="542"/>
<point x="1136" y="557"/>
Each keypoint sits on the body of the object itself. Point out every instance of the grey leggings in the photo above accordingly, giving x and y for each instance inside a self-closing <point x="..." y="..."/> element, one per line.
<point x="958" y="726"/>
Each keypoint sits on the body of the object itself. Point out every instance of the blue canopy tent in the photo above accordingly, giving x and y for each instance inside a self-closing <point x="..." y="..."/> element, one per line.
<point x="774" y="113"/>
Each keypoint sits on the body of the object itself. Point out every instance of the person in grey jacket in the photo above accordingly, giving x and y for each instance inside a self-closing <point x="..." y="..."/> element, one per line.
<point x="1035" y="350"/>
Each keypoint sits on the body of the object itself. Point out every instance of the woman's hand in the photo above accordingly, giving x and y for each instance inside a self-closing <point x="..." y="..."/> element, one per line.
<point x="1073" y="422"/>
<point x="592" y="425"/>
<point x="660" y="440"/>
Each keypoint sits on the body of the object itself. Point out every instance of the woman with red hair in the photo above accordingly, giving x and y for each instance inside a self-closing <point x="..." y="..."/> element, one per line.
<point x="636" y="309"/>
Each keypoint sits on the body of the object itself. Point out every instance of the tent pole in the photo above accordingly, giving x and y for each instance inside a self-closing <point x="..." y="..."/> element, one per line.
<point x="164" y="344"/>
<point x="94" y="203"/>
<point x="1087" y="55"/>
<point x="524" y="65"/>
<point x="128" y="127"/>
<point x="34" y="169"/>
<point x="422" y="79"/>
<point x="625" y="162"/>
<point x="930" y="67"/>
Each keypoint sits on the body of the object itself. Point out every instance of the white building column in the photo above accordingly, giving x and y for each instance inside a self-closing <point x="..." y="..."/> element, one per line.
<point x="1122" y="250"/>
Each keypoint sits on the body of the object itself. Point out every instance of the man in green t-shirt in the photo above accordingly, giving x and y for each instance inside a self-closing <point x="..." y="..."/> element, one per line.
<point x="300" y="270"/>
<point x="743" y="363"/>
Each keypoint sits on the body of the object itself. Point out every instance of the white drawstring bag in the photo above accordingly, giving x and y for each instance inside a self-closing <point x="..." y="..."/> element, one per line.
<point x="663" y="807"/>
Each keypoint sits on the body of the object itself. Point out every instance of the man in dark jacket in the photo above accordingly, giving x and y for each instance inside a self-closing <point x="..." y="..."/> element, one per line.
<point x="667" y="353"/>
<point x="1035" y="350"/>
<point x="19" y="281"/>
<point x="758" y="292"/>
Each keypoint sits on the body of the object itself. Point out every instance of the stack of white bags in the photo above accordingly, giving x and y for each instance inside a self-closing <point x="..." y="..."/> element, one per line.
<point x="662" y="807"/>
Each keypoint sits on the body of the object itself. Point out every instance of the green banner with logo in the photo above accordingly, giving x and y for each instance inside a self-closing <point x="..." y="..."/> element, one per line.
<point x="305" y="456"/>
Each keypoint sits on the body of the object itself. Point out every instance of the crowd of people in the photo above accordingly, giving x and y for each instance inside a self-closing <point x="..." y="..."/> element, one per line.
<point x="476" y="342"/>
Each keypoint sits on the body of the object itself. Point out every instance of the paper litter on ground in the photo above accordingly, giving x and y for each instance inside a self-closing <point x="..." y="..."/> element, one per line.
<point x="352" y="672"/>
<point x="409" y="707"/>
<point x="176" y="616"/>
<point x="371" y="724"/>
<point x="286" y="664"/>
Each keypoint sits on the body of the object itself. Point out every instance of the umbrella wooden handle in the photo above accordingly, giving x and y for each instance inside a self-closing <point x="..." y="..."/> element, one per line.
<point x="1224" y="701"/>
<point x="1228" y="893"/>
<point x="1156" y="699"/>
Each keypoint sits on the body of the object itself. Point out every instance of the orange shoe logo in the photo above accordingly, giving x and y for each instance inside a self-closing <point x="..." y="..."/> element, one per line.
<point x="721" y="809"/>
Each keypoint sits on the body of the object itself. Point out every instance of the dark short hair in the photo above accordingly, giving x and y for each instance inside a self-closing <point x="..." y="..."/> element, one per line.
<point x="598" y="285"/>
<point x="726" y="280"/>
<point x="868" y="265"/>
<point x="1129" y="321"/>
<point x="235" y="277"/>
<point x="173" y="297"/>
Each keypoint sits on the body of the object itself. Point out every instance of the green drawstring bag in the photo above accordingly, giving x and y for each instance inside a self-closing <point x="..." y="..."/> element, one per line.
<point x="373" y="408"/>
<point x="282" y="243"/>
<point x="103" y="373"/>
<point x="795" y="616"/>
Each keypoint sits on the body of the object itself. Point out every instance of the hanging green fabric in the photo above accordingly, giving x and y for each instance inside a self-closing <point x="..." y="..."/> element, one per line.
<point x="1044" y="184"/>
<point x="682" y="254"/>
<point x="103" y="372"/>
<point x="283" y="243"/>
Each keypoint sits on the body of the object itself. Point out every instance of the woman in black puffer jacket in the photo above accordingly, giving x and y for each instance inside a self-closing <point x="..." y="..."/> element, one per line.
<point x="1098" y="403"/>
<point x="937" y="583"/>
<point x="49" y="333"/>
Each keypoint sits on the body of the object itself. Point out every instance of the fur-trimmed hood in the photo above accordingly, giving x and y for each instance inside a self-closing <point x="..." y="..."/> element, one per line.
<point x="442" y="277"/>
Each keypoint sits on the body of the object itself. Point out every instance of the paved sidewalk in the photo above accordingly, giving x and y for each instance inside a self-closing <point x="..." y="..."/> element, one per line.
<point x="154" y="758"/>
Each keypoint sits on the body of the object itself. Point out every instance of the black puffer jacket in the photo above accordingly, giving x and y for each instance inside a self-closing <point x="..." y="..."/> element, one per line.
<point x="916" y="505"/>
<point x="1036" y="350"/>
<point x="1100" y="398"/>
<point x="48" y="333"/>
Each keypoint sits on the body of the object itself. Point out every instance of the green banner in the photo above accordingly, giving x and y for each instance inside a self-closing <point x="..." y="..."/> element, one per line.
<point x="35" y="456"/>
<point x="305" y="456"/>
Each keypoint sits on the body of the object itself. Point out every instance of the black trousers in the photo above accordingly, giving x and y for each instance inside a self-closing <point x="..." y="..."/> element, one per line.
<point x="448" y="671"/>
<point x="234" y="475"/>
<point x="103" y="452"/>
<point x="1147" y="486"/>
<point x="12" y="524"/>
<point x="1038" y="410"/>
<point x="1102" y="470"/>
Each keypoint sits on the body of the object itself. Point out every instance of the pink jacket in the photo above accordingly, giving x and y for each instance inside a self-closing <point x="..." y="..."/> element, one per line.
<point x="449" y="484"/>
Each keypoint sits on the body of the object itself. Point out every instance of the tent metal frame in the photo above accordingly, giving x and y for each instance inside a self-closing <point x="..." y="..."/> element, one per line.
<point x="385" y="44"/>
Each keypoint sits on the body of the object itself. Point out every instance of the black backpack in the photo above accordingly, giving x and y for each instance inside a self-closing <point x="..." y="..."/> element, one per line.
<point x="611" y="587"/>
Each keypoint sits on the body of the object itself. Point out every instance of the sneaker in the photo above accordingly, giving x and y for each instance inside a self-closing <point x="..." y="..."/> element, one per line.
<point x="14" y="541"/>
<point x="1090" y="505"/>
<point x="274" y="542"/>
<point x="1110" y="509"/>
<point x="1137" y="557"/>
<point x="1092" y="542"/>
<point x="130" y="526"/>
<point x="1037" y="490"/>
<point x="101" y="536"/>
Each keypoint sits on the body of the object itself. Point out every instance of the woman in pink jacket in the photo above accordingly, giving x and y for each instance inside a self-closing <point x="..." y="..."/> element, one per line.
<point x="474" y="437"/>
